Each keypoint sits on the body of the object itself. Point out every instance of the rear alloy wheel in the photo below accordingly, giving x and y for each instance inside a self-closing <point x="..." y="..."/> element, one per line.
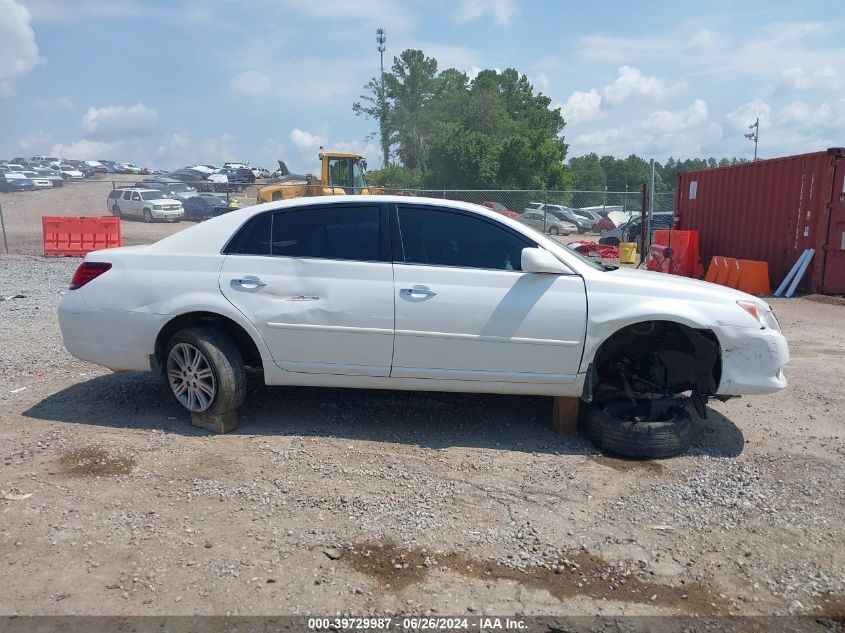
<point x="205" y="371"/>
<point x="148" y="215"/>
<point x="619" y="427"/>
<point x="553" y="230"/>
<point x="116" y="212"/>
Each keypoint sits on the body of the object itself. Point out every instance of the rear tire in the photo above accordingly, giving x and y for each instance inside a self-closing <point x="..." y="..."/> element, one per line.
<point x="117" y="212"/>
<point x="609" y="429"/>
<point x="212" y="383"/>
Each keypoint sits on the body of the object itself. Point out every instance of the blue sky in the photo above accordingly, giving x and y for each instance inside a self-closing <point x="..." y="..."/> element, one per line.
<point x="166" y="83"/>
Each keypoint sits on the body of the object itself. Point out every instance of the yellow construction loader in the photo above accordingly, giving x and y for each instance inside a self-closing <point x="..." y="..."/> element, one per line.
<point x="341" y="174"/>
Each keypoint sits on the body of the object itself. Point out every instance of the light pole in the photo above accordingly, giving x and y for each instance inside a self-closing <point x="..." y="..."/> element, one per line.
<point x="381" y="39"/>
<point x="755" y="135"/>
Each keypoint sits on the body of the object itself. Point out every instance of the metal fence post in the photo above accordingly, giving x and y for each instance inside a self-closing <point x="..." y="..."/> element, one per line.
<point x="3" y="227"/>
<point x="545" y="211"/>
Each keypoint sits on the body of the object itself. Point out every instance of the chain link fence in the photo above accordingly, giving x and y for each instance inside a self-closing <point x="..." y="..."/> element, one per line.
<point x="549" y="211"/>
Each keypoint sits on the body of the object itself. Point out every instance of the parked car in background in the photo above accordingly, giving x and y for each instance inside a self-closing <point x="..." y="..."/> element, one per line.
<point x="209" y="205"/>
<point x="131" y="168"/>
<point x="231" y="179"/>
<point x="40" y="181"/>
<point x="310" y="292"/>
<point x="631" y="231"/>
<point x="191" y="176"/>
<point x="70" y="172"/>
<point x="40" y="158"/>
<point x="53" y="175"/>
<point x="583" y="224"/>
<point x="96" y="166"/>
<point x="236" y="166"/>
<point x="11" y="181"/>
<point x="173" y="188"/>
<point x="500" y="208"/>
<point x="149" y="204"/>
<point x="80" y="166"/>
<point x="205" y="169"/>
<point x="548" y="223"/>
<point x="260" y="172"/>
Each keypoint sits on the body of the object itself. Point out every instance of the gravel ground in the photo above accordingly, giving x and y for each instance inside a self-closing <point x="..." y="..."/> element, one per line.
<point x="345" y="501"/>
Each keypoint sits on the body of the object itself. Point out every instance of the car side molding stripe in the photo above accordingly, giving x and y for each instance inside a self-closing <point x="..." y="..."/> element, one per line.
<point x="487" y="338"/>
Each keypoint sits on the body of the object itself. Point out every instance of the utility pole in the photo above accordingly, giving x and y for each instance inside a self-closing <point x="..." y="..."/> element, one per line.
<point x="755" y="135"/>
<point x="381" y="39"/>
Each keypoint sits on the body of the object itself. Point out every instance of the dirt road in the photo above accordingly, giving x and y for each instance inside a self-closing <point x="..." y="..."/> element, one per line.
<point x="330" y="501"/>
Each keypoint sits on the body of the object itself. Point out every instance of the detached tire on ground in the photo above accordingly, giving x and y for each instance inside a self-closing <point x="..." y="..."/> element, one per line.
<point x="611" y="429"/>
<point x="205" y="370"/>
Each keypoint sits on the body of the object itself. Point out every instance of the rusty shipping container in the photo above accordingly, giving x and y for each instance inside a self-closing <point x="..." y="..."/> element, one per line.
<point x="771" y="210"/>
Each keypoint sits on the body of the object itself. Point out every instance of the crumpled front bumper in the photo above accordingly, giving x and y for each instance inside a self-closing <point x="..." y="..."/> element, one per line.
<point x="752" y="360"/>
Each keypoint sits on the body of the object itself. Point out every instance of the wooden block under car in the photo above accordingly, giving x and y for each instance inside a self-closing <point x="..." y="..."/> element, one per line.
<point x="223" y="423"/>
<point x="565" y="414"/>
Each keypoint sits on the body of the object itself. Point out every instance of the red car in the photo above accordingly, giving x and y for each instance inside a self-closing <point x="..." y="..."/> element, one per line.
<point x="500" y="208"/>
<point x="605" y="224"/>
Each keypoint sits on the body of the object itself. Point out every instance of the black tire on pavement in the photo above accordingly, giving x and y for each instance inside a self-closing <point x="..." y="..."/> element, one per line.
<point x="116" y="211"/>
<point x="148" y="215"/>
<point x="609" y="429"/>
<point x="225" y="361"/>
<point x="553" y="230"/>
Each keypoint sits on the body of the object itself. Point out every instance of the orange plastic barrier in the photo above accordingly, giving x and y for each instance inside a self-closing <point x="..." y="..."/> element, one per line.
<point x="754" y="278"/>
<point x="75" y="236"/>
<point x="716" y="264"/>
<point x="685" y="258"/>
<point x="743" y="274"/>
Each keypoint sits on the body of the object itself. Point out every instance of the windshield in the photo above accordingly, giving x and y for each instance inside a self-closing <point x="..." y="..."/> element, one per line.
<point x="152" y="195"/>
<point x="180" y="188"/>
<point x="347" y="173"/>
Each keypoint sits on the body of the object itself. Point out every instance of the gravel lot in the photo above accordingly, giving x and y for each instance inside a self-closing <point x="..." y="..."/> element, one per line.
<point x="329" y="501"/>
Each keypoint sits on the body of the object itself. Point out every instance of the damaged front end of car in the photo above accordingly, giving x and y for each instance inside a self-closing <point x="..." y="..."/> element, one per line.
<point x="655" y="365"/>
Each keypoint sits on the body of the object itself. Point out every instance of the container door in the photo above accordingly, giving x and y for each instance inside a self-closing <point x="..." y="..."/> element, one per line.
<point x="834" y="268"/>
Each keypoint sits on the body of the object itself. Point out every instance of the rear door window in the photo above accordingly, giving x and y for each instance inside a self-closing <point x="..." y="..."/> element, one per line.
<point x="330" y="232"/>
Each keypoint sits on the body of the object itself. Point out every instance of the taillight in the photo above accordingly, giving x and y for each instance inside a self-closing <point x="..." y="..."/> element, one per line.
<point x="86" y="272"/>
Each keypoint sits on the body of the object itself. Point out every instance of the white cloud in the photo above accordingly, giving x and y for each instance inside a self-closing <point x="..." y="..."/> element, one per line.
<point x="36" y="142"/>
<point x="251" y="82"/>
<point x="60" y="103"/>
<point x="64" y="10"/>
<point x="501" y="10"/>
<point x="741" y="117"/>
<point x="18" y="50"/>
<point x="387" y="13"/>
<point x="218" y="150"/>
<point x="270" y="152"/>
<point x="85" y="149"/>
<point x="631" y="82"/>
<point x="668" y="121"/>
<point x="119" y="122"/>
<point x="582" y="107"/>
<point x="824" y="79"/>
<point x="541" y="82"/>
<point x="306" y="141"/>
<point x="680" y="132"/>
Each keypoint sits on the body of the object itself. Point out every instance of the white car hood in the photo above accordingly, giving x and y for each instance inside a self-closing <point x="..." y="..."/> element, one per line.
<point x="677" y="287"/>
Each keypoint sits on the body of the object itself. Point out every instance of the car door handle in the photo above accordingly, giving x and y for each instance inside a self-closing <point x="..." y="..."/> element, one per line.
<point x="250" y="283"/>
<point x="409" y="292"/>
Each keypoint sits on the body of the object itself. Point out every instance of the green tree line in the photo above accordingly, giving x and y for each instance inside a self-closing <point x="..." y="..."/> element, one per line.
<point x="443" y="130"/>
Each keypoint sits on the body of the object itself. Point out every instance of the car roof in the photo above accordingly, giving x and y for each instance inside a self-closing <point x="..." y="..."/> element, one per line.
<point x="212" y="235"/>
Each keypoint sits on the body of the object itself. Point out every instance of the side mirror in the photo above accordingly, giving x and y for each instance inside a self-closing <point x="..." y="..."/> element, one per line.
<point x="537" y="260"/>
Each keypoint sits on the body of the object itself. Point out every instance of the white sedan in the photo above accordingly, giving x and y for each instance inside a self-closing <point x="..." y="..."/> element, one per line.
<point x="385" y="292"/>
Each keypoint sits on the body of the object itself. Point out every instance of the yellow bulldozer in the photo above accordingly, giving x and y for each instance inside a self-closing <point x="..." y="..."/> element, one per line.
<point x="341" y="174"/>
